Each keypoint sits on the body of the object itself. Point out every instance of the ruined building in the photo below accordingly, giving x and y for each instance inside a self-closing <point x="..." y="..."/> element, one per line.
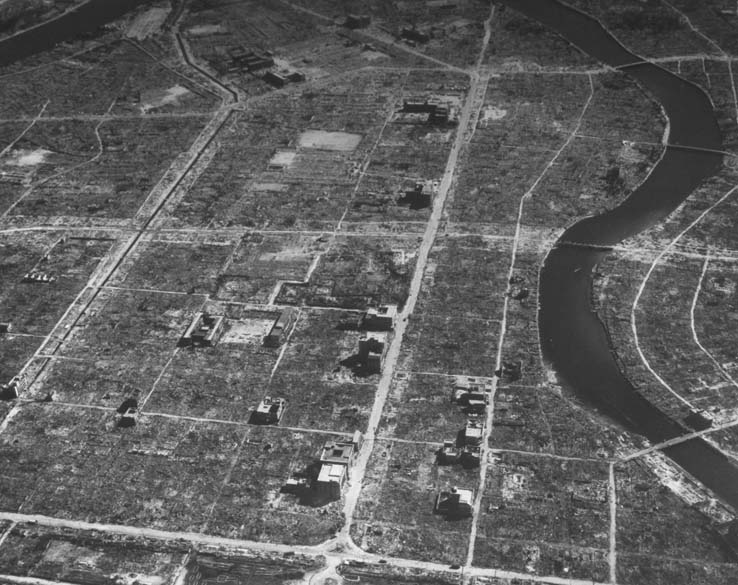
<point x="382" y="318"/>
<point x="372" y="350"/>
<point x="336" y="460"/>
<point x="203" y="330"/>
<point x="269" y="411"/>
<point x="282" y="328"/>
<point x="456" y="503"/>
<point x="354" y="21"/>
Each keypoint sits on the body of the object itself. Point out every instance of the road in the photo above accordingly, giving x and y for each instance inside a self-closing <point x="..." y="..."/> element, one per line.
<point x="472" y="104"/>
<point x="331" y="550"/>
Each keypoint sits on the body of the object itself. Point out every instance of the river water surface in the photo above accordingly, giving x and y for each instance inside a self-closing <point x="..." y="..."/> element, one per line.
<point x="573" y="338"/>
<point x="84" y="19"/>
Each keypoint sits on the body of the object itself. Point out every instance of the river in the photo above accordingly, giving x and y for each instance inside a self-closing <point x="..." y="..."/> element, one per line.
<point x="82" y="20"/>
<point x="573" y="339"/>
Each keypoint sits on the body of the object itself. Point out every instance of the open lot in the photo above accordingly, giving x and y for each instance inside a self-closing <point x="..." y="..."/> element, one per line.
<point x="715" y="311"/>
<point x="178" y="267"/>
<point x="406" y="476"/>
<point x="547" y="420"/>
<point x="546" y="516"/>
<point x="34" y="307"/>
<point x="665" y="336"/>
<point x="240" y="186"/>
<point x="356" y="273"/>
<point x="225" y="382"/>
<point x="652" y="521"/>
<point x="420" y="409"/>
<point x="126" y="79"/>
<point x="321" y="392"/>
<point x="261" y="261"/>
<point x="518" y="42"/>
<point x="132" y="325"/>
<point x="378" y="575"/>
<point x="117" y="172"/>
<point x="250" y="504"/>
<point x="167" y="473"/>
<point x="593" y="173"/>
<point x="87" y="557"/>
<point x="84" y="557"/>
<point x="454" y="31"/>
<point x="163" y="473"/>
<point x="653" y="29"/>
<point x="209" y="568"/>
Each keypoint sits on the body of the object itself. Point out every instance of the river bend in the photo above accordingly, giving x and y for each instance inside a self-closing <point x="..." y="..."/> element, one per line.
<point x="573" y="338"/>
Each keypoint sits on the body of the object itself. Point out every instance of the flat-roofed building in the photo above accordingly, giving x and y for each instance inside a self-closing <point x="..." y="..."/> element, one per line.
<point x="342" y="452"/>
<point x="474" y="431"/>
<point x="331" y="479"/>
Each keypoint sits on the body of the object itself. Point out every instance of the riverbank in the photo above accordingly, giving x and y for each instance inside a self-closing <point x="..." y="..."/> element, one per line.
<point x="573" y="338"/>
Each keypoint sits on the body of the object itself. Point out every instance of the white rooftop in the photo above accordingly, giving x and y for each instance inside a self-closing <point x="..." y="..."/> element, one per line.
<point x="331" y="472"/>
